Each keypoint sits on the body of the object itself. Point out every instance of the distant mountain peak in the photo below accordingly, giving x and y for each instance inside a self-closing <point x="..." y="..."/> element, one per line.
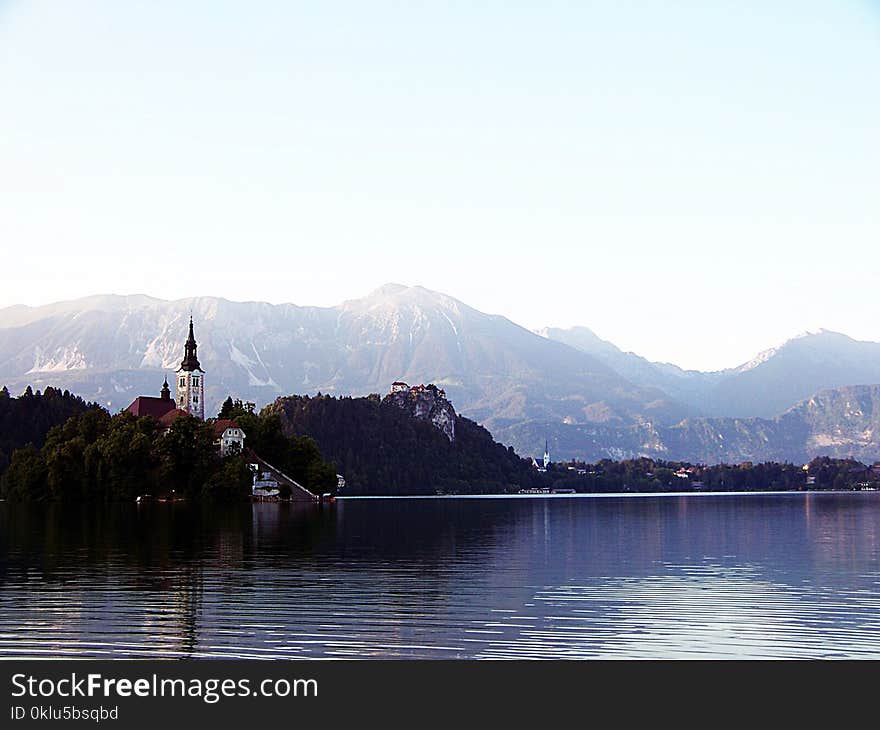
<point x="390" y="289"/>
<point x="397" y="298"/>
<point x="808" y="338"/>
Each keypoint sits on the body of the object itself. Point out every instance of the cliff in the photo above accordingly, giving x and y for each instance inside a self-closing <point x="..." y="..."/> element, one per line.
<point x="426" y="403"/>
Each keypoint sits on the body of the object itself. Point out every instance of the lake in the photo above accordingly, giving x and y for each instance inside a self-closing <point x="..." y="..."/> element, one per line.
<point x="690" y="576"/>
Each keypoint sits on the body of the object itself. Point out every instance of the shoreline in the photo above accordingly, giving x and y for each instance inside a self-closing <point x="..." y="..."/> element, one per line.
<point x="592" y="495"/>
<point x="582" y="495"/>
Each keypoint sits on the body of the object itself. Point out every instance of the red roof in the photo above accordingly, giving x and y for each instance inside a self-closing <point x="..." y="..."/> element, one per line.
<point x="172" y="416"/>
<point x="222" y="424"/>
<point x="145" y="405"/>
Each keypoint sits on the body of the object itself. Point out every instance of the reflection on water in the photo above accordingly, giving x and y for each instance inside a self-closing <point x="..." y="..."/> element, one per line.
<point x="689" y="576"/>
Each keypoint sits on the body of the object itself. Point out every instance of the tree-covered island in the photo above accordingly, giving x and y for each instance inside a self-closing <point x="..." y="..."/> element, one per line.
<point x="93" y="456"/>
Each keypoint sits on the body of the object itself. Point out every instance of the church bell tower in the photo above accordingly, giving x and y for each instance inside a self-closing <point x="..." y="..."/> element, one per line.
<point x="191" y="379"/>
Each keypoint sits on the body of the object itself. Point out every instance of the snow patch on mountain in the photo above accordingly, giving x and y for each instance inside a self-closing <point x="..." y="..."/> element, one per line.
<point x="759" y="359"/>
<point x="247" y="364"/>
<point x="770" y="353"/>
<point x="161" y="352"/>
<point x="58" y="361"/>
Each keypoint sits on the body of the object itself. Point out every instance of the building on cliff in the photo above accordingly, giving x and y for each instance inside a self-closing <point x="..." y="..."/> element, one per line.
<point x="425" y="402"/>
<point x="399" y="386"/>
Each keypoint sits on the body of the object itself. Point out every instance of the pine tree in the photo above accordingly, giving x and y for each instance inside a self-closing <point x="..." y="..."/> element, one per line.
<point x="226" y="409"/>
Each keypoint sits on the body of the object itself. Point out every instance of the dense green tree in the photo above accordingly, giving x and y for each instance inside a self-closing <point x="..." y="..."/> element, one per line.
<point x="186" y="456"/>
<point x="25" y="479"/>
<point x="226" y="408"/>
<point x="124" y="462"/>
<point x="231" y="482"/>
<point x="28" y="419"/>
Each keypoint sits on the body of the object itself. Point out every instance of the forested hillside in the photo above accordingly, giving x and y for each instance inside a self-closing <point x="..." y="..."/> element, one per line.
<point x="381" y="448"/>
<point x="28" y="418"/>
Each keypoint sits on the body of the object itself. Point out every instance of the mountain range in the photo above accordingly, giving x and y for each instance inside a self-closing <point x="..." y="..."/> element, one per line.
<point x="814" y="394"/>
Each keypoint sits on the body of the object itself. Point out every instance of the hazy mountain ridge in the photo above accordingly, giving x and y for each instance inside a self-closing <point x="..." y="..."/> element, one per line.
<point x="686" y="386"/>
<point x="767" y="385"/>
<point x="589" y="397"/>
<point x="840" y="422"/>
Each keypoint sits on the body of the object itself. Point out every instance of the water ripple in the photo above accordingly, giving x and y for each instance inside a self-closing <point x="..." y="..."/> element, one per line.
<point x="793" y="576"/>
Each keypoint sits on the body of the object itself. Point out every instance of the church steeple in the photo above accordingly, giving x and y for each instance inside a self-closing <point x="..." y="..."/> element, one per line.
<point x="191" y="379"/>
<point x="166" y="391"/>
<point x="190" y="359"/>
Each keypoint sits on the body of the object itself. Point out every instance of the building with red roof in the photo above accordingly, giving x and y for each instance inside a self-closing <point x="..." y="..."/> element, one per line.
<point x="172" y="416"/>
<point x="145" y="405"/>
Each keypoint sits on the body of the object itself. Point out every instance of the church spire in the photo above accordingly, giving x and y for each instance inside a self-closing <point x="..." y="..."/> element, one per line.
<point x="166" y="391"/>
<point x="190" y="359"/>
<point x="191" y="379"/>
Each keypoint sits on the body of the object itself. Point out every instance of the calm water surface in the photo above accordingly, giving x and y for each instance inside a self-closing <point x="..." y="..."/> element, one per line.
<point x="675" y="576"/>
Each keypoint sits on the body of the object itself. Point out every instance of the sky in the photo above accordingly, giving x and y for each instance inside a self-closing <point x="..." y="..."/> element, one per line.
<point x="694" y="181"/>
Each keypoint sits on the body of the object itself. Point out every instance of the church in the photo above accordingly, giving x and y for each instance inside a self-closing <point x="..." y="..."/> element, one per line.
<point x="190" y="390"/>
<point x="546" y="462"/>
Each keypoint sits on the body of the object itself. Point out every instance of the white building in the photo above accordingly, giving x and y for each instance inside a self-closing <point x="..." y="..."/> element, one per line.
<point x="228" y="436"/>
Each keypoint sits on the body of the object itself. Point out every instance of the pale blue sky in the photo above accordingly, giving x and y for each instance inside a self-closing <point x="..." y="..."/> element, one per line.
<point x="695" y="181"/>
